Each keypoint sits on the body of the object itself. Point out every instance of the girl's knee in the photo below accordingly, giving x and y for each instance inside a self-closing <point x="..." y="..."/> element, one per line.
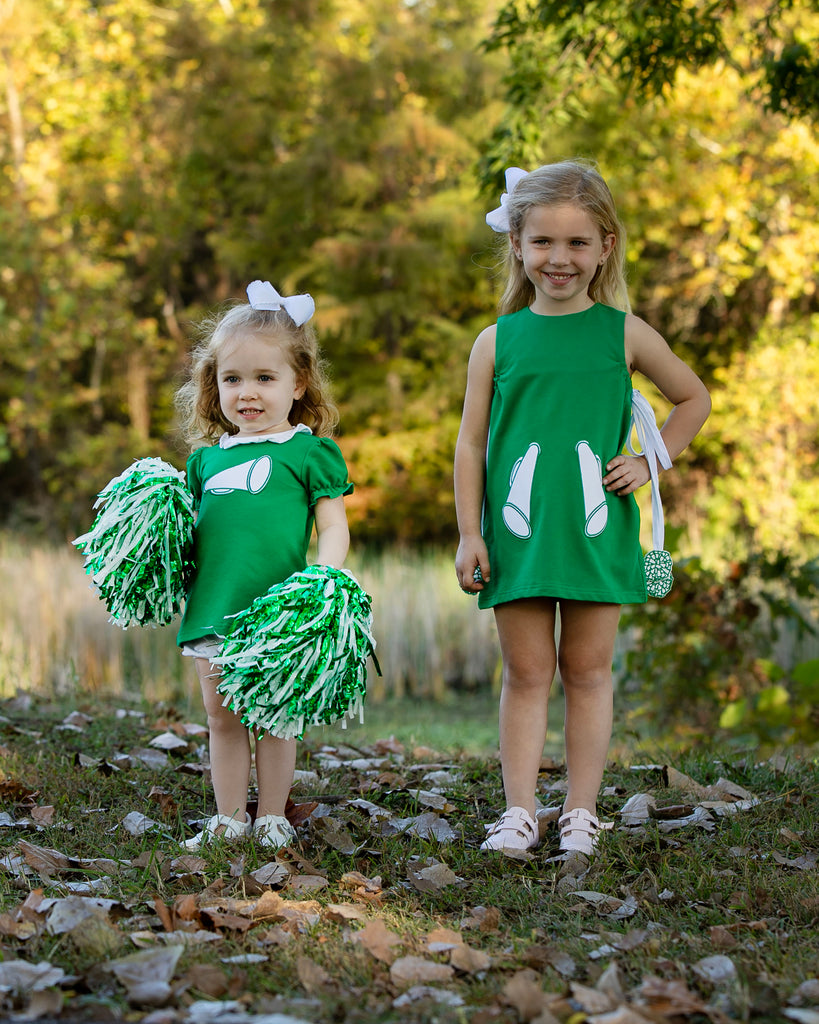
<point x="223" y="720"/>
<point x="527" y="679"/>
<point x="586" y="677"/>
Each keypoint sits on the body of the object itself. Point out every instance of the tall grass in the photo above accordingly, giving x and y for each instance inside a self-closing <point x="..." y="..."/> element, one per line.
<point x="56" y="639"/>
<point x="55" y="636"/>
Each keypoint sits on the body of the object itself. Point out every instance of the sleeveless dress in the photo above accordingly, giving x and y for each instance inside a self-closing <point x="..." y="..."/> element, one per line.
<point x="255" y="500"/>
<point x="561" y="409"/>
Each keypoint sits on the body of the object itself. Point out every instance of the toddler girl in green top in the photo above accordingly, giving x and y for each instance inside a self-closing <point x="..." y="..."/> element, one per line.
<point x="544" y="497"/>
<point x="263" y="473"/>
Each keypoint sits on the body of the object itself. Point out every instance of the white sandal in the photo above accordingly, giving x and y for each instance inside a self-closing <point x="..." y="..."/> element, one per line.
<point x="273" y="831"/>
<point x="579" y="831"/>
<point x="220" y="826"/>
<point x="515" y="829"/>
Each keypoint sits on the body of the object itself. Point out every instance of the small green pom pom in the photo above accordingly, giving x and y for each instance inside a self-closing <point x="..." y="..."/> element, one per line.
<point x="659" y="574"/>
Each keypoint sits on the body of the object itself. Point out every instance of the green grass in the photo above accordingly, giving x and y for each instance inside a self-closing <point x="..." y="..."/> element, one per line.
<point x="732" y="891"/>
<point x="463" y="723"/>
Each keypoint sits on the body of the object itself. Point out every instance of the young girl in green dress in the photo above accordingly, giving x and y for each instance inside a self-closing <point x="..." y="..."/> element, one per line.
<point x="263" y="472"/>
<point x="544" y="497"/>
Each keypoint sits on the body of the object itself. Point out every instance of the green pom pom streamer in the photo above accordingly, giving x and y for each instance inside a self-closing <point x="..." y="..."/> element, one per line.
<point x="138" y="552"/>
<point x="298" y="655"/>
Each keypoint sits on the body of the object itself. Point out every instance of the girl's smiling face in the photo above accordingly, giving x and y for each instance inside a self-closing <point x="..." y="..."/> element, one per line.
<point x="257" y="385"/>
<point x="562" y="249"/>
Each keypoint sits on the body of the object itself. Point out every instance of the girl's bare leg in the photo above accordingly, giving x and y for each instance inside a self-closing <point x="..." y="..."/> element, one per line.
<point x="526" y="630"/>
<point x="587" y="635"/>
<point x="229" y="747"/>
<point x="275" y="764"/>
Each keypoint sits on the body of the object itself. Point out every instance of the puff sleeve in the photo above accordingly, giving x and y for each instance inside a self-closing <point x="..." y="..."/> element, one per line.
<point x="325" y="471"/>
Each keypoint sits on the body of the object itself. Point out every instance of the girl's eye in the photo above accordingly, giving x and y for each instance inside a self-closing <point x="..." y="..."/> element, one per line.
<point x="265" y="377"/>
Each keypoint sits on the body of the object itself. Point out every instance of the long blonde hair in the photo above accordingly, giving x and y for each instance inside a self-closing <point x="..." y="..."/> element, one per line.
<point x="197" y="400"/>
<point x="568" y="183"/>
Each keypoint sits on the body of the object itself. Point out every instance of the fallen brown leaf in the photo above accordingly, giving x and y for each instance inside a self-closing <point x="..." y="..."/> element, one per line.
<point x="355" y="880"/>
<point x="432" y="878"/>
<point x="312" y="976"/>
<point x="307" y="883"/>
<point x="485" y="919"/>
<point x="97" y="938"/>
<point x="17" y="928"/>
<point x="441" y="940"/>
<point x="378" y="940"/>
<point x="668" y="998"/>
<point x="591" y="999"/>
<point x="332" y="832"/>
<point x="411" y="970"/>
<point x="340" y="913"/>
<point x="217" y="920"/>
<point x="43" y="814"/>
<point x="208" y="979"/>
<point x="538" y="956"/>
<point x="167" y="804"/>
<point x="146" y="975"/>
<point x="524" y="993"/>
<point x="297" y="814"/>
<point x="468" y="960"/>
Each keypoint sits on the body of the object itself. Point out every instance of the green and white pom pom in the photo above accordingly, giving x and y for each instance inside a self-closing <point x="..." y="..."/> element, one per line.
<point x="138" y="553"/>
<point x="298" y="655"/>
<point x="659" y="573"/>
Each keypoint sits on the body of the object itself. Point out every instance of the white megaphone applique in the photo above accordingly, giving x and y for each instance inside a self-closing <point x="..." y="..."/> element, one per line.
<point x="594" y="497"/>
<point x="516" y="510"/>
<point x="248" y="476"/>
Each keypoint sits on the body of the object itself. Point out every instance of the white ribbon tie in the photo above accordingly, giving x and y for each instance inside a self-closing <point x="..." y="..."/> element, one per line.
<point x="262" y="295"/>
<point x="654" y="450"/>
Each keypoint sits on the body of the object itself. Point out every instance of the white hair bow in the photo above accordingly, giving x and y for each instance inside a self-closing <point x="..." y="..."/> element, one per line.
<point x="262" y="295"/>
<point x="498" y="219"/>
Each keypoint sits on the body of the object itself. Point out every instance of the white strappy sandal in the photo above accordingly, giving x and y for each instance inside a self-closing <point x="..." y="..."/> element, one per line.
<point x="515" y="829"/>
<point x="220" y="826"/>
<point x="579" y="831"/>
<point x="273" y="831"/>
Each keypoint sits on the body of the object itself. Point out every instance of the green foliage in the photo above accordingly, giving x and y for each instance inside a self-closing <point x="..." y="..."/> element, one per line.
<point x="765" y="448"/>
<point x="707" y="654"/>
<point x="779" y="711"/>
<point x="168" y="159"/>
<point x="560" y="47"/>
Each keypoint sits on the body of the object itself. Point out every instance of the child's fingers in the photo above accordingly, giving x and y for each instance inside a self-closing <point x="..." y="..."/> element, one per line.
<point x="472" y="582"/>
<point x="625" y="475"/>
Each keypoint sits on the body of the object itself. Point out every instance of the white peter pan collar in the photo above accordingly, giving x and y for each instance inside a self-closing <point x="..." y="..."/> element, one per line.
<point x="230" y="441"/>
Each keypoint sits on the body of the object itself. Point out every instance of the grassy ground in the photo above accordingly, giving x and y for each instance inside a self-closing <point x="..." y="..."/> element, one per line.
<point x="462" y="723"/>
<point x="707" y="911"/>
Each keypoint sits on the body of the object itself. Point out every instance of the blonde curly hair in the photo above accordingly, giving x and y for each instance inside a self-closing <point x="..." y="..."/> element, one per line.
<point x="197" y="400"/>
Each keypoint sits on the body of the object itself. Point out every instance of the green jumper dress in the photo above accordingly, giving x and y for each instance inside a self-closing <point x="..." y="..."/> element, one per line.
<point x="561" y="409"/>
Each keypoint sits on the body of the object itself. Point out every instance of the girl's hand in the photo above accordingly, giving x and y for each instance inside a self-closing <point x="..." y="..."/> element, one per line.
<point x="625" y="473"/>
<point x="472" y="555"/>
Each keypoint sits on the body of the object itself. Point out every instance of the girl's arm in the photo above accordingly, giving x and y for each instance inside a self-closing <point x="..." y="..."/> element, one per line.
<point x="470" y="462"/>
<point x="648" y="353"/>
<point x="332" y="532"/>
